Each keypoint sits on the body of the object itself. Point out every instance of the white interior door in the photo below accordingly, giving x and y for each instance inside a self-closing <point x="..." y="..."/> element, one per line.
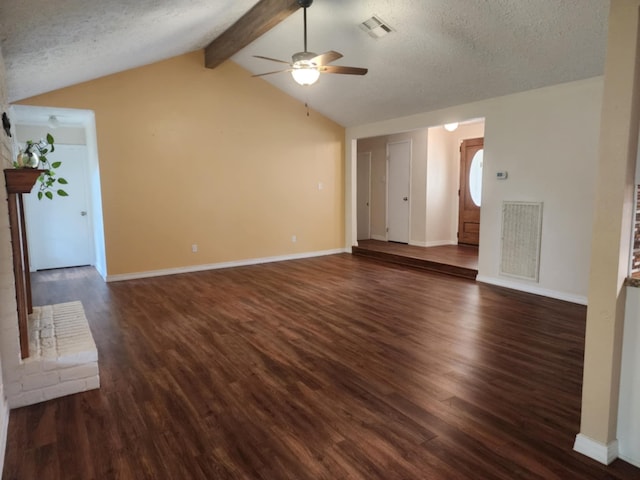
<point x="59" y="230"/>
<point x="364" y="196"/>
<point x="399" y="155"/>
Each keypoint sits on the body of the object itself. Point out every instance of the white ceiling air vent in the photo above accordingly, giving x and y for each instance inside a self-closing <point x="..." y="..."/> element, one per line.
<point x="376" y="27"/>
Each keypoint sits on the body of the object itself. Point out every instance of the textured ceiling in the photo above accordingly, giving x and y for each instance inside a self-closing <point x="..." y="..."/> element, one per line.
<point x="49" y="44"/>
<point x="442" y="52"/>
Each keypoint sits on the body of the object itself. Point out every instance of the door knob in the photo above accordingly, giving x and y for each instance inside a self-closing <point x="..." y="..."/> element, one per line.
<point x="405" y="198"/>
<point x="83" y="213"/>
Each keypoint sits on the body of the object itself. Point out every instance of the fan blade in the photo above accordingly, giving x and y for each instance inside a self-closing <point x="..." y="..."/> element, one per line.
<point x="343" y="70"/>
<point x="270" y="73"/>
<point x="271" y="59"/>
<point x="326" y="58"/>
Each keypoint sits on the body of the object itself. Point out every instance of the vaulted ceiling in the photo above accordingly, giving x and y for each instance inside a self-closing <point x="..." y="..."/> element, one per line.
<point x="440" y="52"/>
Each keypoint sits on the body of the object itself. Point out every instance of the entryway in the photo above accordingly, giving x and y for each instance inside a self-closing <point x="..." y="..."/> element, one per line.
<point x="429" y="181"/>
<point x="65" y="231"/>
<point x="457" y="260"/>
<point x="60" y="229"/>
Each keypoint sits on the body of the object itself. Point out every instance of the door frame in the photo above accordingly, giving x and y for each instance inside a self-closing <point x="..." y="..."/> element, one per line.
<point x="39" y="116"/>
<point x="462" y="192"/>
<point x="368" y="160"/>
<point x="386" y="218"/>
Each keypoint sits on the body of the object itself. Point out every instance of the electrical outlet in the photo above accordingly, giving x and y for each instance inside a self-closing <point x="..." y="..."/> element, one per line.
<point x="194" y="248"/>
<point x="294" y="239"/>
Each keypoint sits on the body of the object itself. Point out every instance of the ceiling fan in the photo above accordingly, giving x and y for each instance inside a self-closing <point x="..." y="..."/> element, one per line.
<point x="306" y="67"/>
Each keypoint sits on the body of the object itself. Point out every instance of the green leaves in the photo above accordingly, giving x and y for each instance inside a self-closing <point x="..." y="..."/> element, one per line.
<point x="48" y="177"/>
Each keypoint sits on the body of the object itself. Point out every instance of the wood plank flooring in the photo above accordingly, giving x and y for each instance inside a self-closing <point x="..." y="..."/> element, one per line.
<point x="326" y="368"/>
<point x="458" y="260"/>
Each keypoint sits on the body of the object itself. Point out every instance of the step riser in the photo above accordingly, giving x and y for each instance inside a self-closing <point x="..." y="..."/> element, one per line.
<point x="417" y="263"/>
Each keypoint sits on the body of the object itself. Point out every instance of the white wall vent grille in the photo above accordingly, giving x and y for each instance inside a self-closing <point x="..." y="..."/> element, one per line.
<point x="376" y="27"/>
<point x="521" y="234"/>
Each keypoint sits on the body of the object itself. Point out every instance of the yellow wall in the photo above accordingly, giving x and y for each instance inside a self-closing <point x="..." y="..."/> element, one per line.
<point x="212" y="157"/>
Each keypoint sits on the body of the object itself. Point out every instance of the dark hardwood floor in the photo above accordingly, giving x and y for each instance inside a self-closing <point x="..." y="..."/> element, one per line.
<point x="458" y="260"/>
<point x="327" y="368"/>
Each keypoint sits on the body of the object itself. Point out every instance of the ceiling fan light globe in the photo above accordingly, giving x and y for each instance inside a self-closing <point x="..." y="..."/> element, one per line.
<point x="305" y="75"/>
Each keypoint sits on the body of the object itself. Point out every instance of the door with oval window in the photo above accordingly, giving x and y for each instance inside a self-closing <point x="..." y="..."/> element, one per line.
<point x="470" y="193"/>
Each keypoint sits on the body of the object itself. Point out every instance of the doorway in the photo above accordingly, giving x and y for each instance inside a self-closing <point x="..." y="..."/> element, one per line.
<point x="471" y="162"/>
<point x="364" y="196"/>
<point x="398" y="191"/>
<point x="60" y="228"/>
<point x="75" y="136"/>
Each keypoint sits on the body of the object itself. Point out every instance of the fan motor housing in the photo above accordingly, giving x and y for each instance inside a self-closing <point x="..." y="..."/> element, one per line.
<point x="302" y="56"/>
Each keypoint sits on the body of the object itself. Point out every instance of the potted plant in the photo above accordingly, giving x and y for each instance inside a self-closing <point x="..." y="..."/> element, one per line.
<point x="34" y="155"/>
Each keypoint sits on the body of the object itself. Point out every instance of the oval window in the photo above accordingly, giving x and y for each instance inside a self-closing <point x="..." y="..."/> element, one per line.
<point x="475" y="177"/>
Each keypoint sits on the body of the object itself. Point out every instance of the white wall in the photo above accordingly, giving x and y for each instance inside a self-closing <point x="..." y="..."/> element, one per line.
<point x="62" y="135"/>
<point x="547" y="139"/>
<point x="441" y="183"/>
<point x="378" y="148"/>
<point x="8" y="315"/>
<point x="629" y="406"/>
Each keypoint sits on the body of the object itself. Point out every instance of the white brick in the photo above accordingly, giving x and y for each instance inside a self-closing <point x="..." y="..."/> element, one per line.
<point x="13" y="388"/>
<point x="31" y="366"/>
<point x="82" y="371"/>
<point x="93" y="383"/>
<point x="51" y="363"/>
<point x="26" y="398"/>
<point x="64" y="388"/>
<point x="39" y="380"/>
<point x="78" y="357"/>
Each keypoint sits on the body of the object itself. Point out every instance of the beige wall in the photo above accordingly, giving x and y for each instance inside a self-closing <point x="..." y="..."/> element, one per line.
<point x="8" y="315"/>
<point x="216" y="158"/>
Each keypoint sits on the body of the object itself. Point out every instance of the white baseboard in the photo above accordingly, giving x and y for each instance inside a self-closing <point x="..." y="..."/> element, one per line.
<point x="523" y="287"/>
<point x="599" y="452"/>
<point x="415" y="243"/>
<point x="217" y="266"/>
<point x="4" y="427"/>
<point x="433" y="243"/>
<point x="440" y="243"/>
<point x="381" y="238"/>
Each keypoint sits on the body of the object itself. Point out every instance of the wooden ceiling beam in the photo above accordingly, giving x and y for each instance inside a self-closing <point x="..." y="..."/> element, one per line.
<point x="264" y="15"/>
